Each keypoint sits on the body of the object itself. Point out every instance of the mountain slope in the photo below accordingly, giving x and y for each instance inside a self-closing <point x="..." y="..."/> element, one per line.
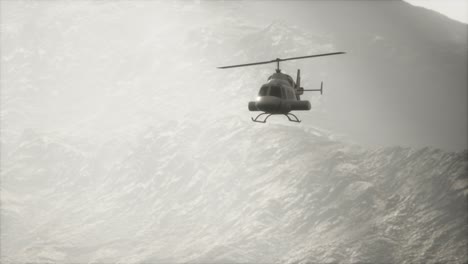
<point x="294" y="195"/>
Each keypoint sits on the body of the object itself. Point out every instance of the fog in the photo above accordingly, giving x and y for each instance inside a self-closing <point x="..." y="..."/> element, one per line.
<point x="397" y="85"/>
<point x="122" y="142"/>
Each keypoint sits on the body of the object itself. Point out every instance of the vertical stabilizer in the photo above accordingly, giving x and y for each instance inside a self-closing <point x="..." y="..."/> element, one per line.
<point x="298" y="85"/>
<point x="298" y="79"/>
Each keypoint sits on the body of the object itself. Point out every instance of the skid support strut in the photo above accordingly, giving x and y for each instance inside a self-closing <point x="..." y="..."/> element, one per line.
<point x="291" y="117"/>
<point x="295" y="119"/>
<point x="261" y="121"/>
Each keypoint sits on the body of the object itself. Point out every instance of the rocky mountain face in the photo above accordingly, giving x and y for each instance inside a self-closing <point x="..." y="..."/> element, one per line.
<point x="121" y="142"/>
<point x="404" y="74"/>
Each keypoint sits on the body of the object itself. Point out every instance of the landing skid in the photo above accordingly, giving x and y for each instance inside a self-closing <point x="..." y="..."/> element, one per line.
<point x="291" y="117"/>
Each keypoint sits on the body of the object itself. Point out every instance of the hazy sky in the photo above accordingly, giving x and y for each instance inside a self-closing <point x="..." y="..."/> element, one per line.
<point x="397" y="84"/>
<point x="455" y="9"/>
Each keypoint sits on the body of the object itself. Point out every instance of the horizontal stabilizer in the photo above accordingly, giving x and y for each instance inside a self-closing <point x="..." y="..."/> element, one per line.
<point x="315" y="90"/>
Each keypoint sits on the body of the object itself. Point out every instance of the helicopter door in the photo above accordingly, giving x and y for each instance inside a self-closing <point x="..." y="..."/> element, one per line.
<point x="290" y="94"/>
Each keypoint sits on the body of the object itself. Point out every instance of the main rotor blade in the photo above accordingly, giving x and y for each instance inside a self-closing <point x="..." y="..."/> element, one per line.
<point x="247" y="64"/>
<point x="278" y="60"/>
<point x="311" y="56"/>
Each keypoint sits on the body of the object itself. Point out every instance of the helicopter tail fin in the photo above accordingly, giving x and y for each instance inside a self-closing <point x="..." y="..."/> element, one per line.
<point x="298" y="85"/>
<point x="298" y="78"/>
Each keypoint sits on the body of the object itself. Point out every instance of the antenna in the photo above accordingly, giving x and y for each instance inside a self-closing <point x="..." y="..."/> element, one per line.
<point x="278" y="60"/>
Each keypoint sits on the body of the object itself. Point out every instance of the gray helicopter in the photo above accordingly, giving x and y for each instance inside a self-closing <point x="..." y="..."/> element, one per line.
<point x="281" y="95"/>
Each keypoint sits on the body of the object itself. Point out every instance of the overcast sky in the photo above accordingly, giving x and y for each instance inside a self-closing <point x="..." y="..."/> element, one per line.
<point x="455" y="9"/>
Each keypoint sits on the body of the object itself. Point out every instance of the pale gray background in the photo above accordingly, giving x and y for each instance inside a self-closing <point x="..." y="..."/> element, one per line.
<point x="122" y="142"/>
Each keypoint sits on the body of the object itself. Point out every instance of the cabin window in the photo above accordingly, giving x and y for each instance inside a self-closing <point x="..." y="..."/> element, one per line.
<point x="275" y="91"/>
<point x="263" y="90"/>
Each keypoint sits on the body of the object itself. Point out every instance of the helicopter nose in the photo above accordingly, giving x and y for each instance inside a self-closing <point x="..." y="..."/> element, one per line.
<point x="268" y="104"/>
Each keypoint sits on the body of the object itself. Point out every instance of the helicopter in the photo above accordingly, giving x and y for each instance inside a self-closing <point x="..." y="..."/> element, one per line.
<point x="281" y="95"/>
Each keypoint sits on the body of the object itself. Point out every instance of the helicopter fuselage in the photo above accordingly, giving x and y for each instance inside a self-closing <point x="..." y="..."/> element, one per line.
<point x="280" y="95"/>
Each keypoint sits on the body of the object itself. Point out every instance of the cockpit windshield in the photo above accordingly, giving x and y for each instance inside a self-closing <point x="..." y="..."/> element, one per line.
<point x="275" y="91"/>
<point x="272" y="90"/>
